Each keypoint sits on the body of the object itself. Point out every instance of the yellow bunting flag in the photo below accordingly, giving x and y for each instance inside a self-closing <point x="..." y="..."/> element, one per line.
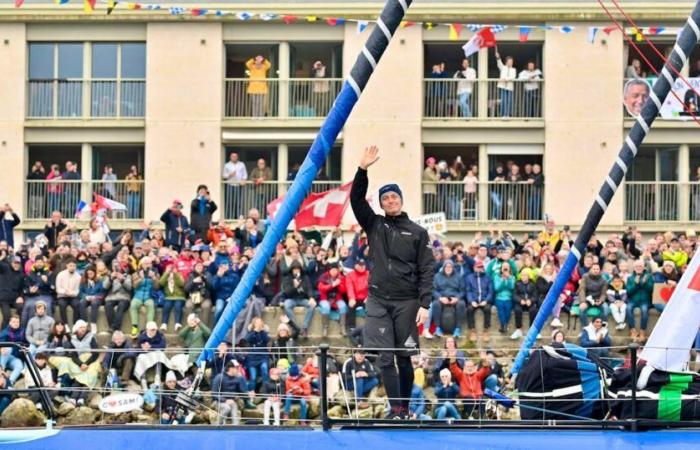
<point x="89" y="5"/>
<point x="455" y="29"/>
<point x="311" y="18"/>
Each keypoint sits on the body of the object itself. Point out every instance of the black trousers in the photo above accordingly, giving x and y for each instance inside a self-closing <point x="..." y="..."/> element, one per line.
<point x="519" y="309"/>
<point x="471" y="313"/>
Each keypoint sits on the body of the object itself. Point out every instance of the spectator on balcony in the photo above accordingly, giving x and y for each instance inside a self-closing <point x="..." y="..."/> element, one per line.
<point x="506" y="85"/>
<point x="257" y="86"/>
<point x="72" y="188"/>
<point x="235" y="175"/>
<point x="320" y="90"/>
<point x="497" y="191"/>
<point x="332" y="290"/>
<point x="534" y="198"/>
<point x="640" y="286"/>
<point x="524" y="299"/>
<point x="531" y="78"/>
<point x="479" y="295"/>
<point x="448" y="291"/>
<point x="54" y="189"/>
<point x="634" y="70"/>
<point x="514" y="194"/>
<point x="11" y="285"/>
<point x="465" y="87"/>
<point x="201" y="210"/>
<point x="177" y="227"/>
<point x="134" y="187"/>
<point x="37" y="191"/>
<point x="470" y="195"/>
<point x="437" y="95"/>
<point x="109" y="187"/>
<point x="297" y="291"/>
<point x="118" y="295"/>
<point x="262" y="192"/>
<point x="8" y="221"/>
<point x="430" y="180"/>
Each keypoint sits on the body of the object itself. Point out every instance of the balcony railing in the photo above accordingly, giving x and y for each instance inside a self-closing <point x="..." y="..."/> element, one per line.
<point x="662" y="201"/>
<point x="46" y="196"/>
<point x="482" y="99"/>
<point x="239" y="198"/>
<point x="66" y="99"/>
<point x="492" y="201"/>
<point x="298" y="97"/>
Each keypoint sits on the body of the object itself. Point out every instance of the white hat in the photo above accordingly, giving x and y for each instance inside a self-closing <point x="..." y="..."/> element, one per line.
<point x="170" y="376"/>
<point x="191" y="317"/>
<point x="78" y="324"/>
<point x="446" y="372"/>
<point x="151" y="325"/>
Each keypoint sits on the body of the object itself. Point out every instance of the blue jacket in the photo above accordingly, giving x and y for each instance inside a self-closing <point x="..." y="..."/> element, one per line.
<point x="446" y="394"/>
<point x="144" y="290"/>
<point x="479" y="288"/>
<point x="114" y="353"/>
<point x="223" y="384"/>
<point x="7" y="229"/>
<point x="257" y="342"/>
<point x="219" y="258"/>
<point x="15" y="335"/>
<point x="223" y="286"/>
<point x="448" y="286"/>
<point x="96" y="289"/>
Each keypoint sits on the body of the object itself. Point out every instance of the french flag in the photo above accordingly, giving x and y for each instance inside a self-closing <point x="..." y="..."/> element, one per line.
<point x="83" y="210"/>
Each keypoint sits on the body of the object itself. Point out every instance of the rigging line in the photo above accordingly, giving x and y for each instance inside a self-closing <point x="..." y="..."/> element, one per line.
<point x="653" y="47"/>
<point x="646" y="60"/>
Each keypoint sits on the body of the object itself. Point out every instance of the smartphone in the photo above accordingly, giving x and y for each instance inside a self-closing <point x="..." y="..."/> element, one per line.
<point x="567" y="228"/>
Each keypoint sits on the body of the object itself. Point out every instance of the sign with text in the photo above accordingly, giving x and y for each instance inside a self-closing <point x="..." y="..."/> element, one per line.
<point x="121" y="402"/>
<point x="435" y="223"/>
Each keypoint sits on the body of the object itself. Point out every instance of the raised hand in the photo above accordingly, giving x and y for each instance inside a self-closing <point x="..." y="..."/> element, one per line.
<point x="370" y="157"/>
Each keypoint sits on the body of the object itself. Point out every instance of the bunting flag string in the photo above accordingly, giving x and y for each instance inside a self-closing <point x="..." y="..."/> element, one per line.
<point x="455" y="29"/>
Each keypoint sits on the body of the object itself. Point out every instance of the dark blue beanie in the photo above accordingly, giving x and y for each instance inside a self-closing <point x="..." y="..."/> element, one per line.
<point x="392" y="187"/>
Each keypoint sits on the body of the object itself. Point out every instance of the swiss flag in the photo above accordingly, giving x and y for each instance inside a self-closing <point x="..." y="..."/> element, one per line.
<point x="323" y="209"/>
<point x="482" y="39"/>
<point x="669" y="344"/>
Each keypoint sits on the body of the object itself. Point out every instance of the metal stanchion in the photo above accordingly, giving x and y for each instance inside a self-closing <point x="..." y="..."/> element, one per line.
<point x="633" y="347"/>
<point x="323" y="386"/>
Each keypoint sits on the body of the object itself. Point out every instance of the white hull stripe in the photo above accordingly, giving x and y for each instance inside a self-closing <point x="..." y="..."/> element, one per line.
<point x="369" y="57"/>
<point x="643" y="124"/>
<point x="354" y="86"/>
<point x="631" y="145"/>
<point x="611" y="183"/>
<point x="601" y="202"/>
<point x="649" y="395"/>
<point x="385" y="30"/>
<point x="677" y="48"/>
<point x="561" y="392"/>
<point x="695" y="28"/>
<point x="621" y="164"/>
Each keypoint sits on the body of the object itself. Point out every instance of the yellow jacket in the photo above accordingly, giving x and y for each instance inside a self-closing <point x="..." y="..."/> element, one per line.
<point x="257" y="75"/>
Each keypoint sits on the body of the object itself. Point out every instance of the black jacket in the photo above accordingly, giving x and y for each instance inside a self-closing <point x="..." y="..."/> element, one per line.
<point x="11" y="282"/>
<point x="525" y="292"/>
<point x="200" y="222"/>
<point x="400" y="251"/>
<point x="304" y="291"/>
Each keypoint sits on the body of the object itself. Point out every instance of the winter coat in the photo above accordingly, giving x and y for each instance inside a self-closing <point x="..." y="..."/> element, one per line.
<point x="200" y="222"/>
<point x="11" y="282"/>
<point x="156" y="342"/>
<point x="357" y="285"/>
<point x="177" y="291"/>
<point x="195" y="338"/>
<point x="39" y="328"/>
<point x="327" y="292"/>
<point x="479" y="287"/>
<point x="448" y="286"/>
<point x="639" y="293"/>
<point x="172" y="222"/>
<point x="258" y="342"/>
<point x="503" y="288"/>
<point x="223" y="286"/>
<point x="525" y="291"/>
<point x="470" y="385"/>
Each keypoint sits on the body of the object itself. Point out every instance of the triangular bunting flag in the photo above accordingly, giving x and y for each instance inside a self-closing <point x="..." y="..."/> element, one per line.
<point x="111" y="4"/>
<point x="268" y="16"/>
<point x="89" y="5"/>
<point x="289" y="19"/>
<point x="244" y="15"/>
<point x="566" y="29"/>
<point x="608" y="30"/>
<point x="406" y="24"/>
<point x="311" y="18"/>
<point x="455" y="29"/>
<point x="361" y="26"/>
<point x="198" y="12"/>
<point x="592" y="31"/>
<point x="428" y="25"/>
<point x="19" y="3"/>
<point x="524" y="33"/>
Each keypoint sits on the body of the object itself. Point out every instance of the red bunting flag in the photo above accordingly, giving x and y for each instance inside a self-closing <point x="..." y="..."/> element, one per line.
<point x="289" y="19"/>
<point x="198" y="12"/>
<point x="89" y="5"/>
<point x="19" y="3"/>
<point x="407" y="23"/>
<point x="332" y="22"/>
<point x="608" y="30"/>
<point x="455" y="29"/>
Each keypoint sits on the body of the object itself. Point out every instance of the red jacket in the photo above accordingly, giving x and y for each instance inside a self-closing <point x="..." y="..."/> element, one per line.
<point x="470" y="385"/>
<point x="329" y="293"/>
<point x="357" y="285"/>
<point x="215" y="235"/>
<point x="298" y="386"/>
<point x="185" y="266"/>
<point x="311" y="371"/>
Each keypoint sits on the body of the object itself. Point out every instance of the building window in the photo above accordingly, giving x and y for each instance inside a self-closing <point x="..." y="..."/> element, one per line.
<point x="117" y="174"/>
<point x="516" y="187"/>
<point x="450" y="181"/>
<point x="53" y="180"/>
<point x="330" y="172"/>
<point x="449" y="91"/>
<point x="316" y="77"/>
<point x="259" y="186"/>
<point x="251" y="90"/>
<point x="118" y="80"/>
<point x="651" y="186"/>
<point x="115" y="84"/>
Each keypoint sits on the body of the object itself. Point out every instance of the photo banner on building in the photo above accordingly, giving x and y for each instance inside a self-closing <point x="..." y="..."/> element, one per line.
<point x="634" y="94"/>
<point x="673" y="109"/>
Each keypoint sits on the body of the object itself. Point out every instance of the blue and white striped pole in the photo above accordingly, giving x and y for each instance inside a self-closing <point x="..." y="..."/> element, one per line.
<point x="687" y="38"/>
<point x="387" y="23"/>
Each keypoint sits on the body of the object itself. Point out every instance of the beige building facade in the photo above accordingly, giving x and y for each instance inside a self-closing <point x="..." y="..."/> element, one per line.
<point x="170" y="95"/>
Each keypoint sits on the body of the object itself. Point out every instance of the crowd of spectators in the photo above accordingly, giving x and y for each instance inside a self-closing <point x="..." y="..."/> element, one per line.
<point x="54" y="289"/>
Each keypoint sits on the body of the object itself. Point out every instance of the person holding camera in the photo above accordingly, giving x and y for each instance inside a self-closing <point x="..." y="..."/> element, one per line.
<point x="118" y="296"/>
<point x="144" y="281"/>
<point x="201" y="210"/>
<point x="8" y="221"/>
<point x="176" y="226"/>
<point x="11" y="283"/>
<point x="198" y="288"/>
<point x="596" y="338"/>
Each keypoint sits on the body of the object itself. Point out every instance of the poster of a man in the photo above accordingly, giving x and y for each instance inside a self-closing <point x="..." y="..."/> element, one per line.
<point x="635" y="94"/>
